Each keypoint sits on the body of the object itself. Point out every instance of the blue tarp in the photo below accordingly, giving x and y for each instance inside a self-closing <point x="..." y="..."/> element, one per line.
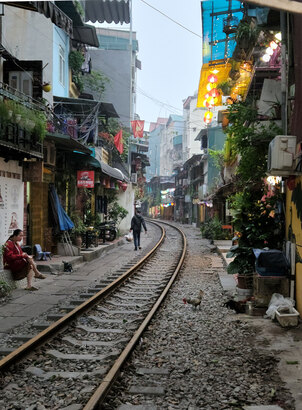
<point x="213" y="14"/>
<point x="62" y="220"/>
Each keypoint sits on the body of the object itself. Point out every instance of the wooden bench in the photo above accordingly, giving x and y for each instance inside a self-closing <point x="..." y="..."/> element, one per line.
<point x="6" y="276"/>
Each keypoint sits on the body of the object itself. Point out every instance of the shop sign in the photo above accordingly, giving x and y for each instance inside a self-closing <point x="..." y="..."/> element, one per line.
<point x="85" y="179"/>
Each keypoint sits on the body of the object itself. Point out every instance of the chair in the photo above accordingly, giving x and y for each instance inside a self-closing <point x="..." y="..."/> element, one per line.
<point x="40" y="255"/>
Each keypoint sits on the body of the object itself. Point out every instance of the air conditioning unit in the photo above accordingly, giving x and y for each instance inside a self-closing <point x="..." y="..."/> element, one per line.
<point x="281" y="155"/>
<point x="49" y="154"/>
<point x="134" y="178"/>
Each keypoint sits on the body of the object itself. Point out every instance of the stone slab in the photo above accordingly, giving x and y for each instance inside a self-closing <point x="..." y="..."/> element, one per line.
<point x="150" y="390"/>
<point x="5" y="350"/>
<point x="12" y="308"/>
<point x="153" y="370"/>
<point x="137" y="407"/>
<point x="67" y="356"/>
<point x="22" y="338"/>
<point x="268" y="407"/>
<point x="9" y="323"/>
<point x="41" y="325"/>
<point x="227" y="282"/>
<point x="98" y="330"/>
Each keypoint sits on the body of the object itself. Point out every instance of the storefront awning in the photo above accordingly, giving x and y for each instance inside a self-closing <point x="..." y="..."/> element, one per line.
<point x="49" y="9"/>
<point x="108" y="11"/>
<point x="84" y="106"/>
<point x="65" y="142"/>
<point x="86" y="35"/>
<point x="107" y="169"/>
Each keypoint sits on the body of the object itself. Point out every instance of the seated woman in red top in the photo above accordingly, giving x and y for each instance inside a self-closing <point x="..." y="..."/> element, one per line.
<point x="20" y="263"/>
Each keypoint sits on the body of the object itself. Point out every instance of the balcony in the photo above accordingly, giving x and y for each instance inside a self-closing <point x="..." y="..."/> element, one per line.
<point x="15" y="137"/>
<point x="22" y="125"/>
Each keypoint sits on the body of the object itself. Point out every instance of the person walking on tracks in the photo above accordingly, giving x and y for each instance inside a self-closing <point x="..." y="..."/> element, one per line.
<point x="20" y="263"/>
<point x="137" y="222"/>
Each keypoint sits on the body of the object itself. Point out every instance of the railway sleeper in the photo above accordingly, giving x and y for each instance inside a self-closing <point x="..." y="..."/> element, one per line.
<point x="36" y="371"/>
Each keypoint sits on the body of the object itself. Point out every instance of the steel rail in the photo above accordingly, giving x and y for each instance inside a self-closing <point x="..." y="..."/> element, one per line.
<point x="100" y="394"/>
<point x="26" y="348"/>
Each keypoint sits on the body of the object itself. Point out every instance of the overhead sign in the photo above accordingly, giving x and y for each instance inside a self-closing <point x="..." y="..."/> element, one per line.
<point x="85" y="179"/>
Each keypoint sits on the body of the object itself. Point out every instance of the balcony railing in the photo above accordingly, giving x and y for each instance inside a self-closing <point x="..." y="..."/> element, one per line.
<point x="16" y="137"/>
<point x="21" y="98"/>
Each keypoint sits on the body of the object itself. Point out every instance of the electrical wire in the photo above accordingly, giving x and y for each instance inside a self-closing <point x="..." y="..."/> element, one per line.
<point x="168" y="17"/>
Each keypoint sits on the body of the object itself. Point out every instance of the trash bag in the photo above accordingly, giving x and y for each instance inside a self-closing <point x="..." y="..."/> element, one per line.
<point x="129" y="237"/>
<point x="280" y="303"/>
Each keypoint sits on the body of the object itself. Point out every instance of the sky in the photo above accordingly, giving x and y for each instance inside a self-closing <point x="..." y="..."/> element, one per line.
<point x="170" y="55"/>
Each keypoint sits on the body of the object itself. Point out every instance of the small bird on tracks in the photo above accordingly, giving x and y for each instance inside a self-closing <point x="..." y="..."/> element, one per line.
<point x="195" y="301"/>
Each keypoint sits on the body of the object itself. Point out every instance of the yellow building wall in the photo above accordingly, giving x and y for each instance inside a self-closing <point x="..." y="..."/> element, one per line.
<point x="295" y="223"/>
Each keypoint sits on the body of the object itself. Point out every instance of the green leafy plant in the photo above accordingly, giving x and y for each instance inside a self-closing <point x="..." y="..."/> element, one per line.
<point x="5" y="288"/>
<point x="254" y="210"/>
<point x="225" y="87"/>
<point x="212" y="229"/>
<point x="244" y="261"/>
<point x="247" y="33"/>
<point x="79" y="8"/>
<point x="76" y="60"/>
<point x="96" y="82"/>
<point x="79" y="226"/>
<point x="116" y="212"/>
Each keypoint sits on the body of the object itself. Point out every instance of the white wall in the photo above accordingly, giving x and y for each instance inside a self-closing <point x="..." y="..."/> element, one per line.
<point x="126" y="200"/>
<point x="28" y="35"/>
<point x="11" y="199"/>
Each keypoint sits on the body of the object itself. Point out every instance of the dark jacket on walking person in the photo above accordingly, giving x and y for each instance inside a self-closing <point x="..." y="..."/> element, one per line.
<point x="137" y="222"/>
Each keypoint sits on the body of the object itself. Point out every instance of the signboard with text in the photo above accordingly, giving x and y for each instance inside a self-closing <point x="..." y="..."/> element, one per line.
<point x="85" y="179"/>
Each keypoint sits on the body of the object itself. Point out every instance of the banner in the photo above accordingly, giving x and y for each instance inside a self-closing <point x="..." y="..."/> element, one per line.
<point x="138" y="128"/>
<point x="118" y="141"/>
<point x="85" y="179"/>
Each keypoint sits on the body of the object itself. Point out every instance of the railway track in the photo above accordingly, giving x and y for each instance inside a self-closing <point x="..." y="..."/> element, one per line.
<point x="87" y="347"/>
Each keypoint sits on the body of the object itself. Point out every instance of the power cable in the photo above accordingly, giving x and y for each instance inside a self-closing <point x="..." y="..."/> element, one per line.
<point x="168" y="17"/>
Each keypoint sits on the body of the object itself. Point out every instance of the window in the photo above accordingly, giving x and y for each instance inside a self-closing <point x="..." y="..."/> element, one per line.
<point x="61" y="66"/>
<point x="22" y="81"/>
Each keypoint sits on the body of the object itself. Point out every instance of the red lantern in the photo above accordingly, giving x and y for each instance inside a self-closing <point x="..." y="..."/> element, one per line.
<point x="214" y="93"/>
<point x="208" y="105"/>
<point x="212" y="78"/>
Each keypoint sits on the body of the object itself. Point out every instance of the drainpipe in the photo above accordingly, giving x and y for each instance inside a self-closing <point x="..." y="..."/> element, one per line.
<point x="283" y="73"/>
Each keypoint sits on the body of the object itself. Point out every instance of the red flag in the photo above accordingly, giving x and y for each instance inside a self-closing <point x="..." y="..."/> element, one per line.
<point x="118" y="141"/>
<point x="138" y="128"/>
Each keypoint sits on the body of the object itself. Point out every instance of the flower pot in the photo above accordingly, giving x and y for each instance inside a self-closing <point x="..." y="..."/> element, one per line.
<point x="78" y="241"/>
<point x="245" y="281"/>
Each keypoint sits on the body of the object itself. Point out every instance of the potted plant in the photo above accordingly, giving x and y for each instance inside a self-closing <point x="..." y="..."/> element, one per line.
<point x="78" y="230"/>
<point x="247" y="34"/>
<point x="225" y="87"/>
<point x="242" y="265"/>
